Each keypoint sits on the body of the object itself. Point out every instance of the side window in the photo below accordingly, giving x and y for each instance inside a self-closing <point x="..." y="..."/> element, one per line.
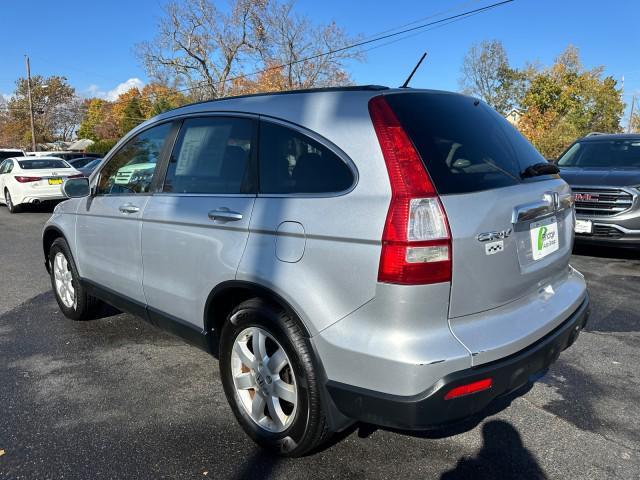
<point x="291" y="162"/>
<point x="211" y="155"/>
<point x="2" y="166"/>
<point x="132" y="168"/>
<point x="8" y="167"/>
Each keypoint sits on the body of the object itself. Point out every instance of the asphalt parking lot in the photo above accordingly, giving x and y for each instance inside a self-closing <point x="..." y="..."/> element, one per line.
<point x="116" y="398"/>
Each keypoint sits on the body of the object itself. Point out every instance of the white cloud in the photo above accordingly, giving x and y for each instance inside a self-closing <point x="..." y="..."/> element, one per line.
<point x="7" y="96"/>
<point x="95" y="90"/>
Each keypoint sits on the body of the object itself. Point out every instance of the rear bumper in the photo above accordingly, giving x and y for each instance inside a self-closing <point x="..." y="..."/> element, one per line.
<point x="429" y="409"/>
<point x="34" y="197"/>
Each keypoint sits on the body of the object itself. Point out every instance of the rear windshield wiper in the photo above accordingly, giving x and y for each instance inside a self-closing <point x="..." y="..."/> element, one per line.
<point x="537" y="169"/>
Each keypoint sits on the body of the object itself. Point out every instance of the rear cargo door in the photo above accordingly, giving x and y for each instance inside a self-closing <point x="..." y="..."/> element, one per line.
<point x="511" y="235"/>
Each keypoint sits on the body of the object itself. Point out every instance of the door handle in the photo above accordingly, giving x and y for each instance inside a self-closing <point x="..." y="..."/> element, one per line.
<point x="225" y="214"/>
<point x="128" y="208"/>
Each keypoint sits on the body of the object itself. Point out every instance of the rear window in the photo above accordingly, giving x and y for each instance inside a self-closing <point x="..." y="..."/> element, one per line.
<point x="466" y="145"/>
<point x="38" y="164"/>
<point x="603" y="153"/>
<point x="9" y="154"/>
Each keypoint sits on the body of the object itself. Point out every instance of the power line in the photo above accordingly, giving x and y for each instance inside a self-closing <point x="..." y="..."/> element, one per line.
<point x="465" y="14"/>
<point x="418" y="29"/>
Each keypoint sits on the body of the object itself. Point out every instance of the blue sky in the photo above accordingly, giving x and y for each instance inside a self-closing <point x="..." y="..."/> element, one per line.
<point x="91" y="43"/>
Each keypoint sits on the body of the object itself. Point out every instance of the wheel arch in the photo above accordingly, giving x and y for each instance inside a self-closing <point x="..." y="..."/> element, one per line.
<point x="50" y="234"/>
<point x="227" y="295"/>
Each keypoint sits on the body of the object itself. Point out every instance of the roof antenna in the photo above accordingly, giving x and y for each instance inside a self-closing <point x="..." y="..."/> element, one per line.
<point x="406" y="83"/>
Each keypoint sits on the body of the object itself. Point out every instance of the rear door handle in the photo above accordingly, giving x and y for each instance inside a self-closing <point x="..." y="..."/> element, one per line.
<point x="225" y="214"/>
<point x="128" y="208"/>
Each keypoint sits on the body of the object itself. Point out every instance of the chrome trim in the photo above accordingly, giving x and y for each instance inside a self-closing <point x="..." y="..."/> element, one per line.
<point x="225" y="215"/>
<point x="626" y="231"/>
<point x="531" y="211"/>
<point x="634" y="203"/>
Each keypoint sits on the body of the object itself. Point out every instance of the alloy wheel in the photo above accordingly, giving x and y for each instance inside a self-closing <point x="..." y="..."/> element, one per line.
<point x="264" y="379"/>
<point x="64" y="281"/>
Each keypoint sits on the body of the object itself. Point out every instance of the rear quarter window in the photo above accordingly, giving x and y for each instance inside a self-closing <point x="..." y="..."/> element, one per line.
<point x="465" y="145"/>
<point x="291" y="162"/>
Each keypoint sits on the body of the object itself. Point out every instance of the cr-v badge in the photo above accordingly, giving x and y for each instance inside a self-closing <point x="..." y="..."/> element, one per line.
<point x="495" y="241"/>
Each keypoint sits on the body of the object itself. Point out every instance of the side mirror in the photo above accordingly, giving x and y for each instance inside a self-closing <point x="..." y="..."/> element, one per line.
<point x="76" y="187"/>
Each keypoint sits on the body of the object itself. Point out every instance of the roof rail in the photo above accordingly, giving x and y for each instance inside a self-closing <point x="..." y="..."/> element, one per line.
<point x="593" y="134"/>
<point x="348" y="88"/>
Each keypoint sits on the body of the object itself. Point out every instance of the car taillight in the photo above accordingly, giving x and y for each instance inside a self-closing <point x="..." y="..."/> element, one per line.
<point x="416" y="241"/>
<point x="22" y="179"/>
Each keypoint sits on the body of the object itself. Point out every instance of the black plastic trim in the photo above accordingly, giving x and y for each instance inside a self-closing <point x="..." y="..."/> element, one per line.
<point x="429" y="409"/>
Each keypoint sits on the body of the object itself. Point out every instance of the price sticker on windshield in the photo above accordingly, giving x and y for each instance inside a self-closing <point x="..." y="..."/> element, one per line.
<point x="544" y="238"/>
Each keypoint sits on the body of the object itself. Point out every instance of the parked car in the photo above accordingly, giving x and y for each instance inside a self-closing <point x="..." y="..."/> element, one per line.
<point x="393" y="256"/>
<point x="88" y="169"/>
<point x="10" y="152"/>
<point x="65" y="155"/>
<point x="33" y="180"/>
<point x="81" y="162"/>
<point x="604" y="173"/>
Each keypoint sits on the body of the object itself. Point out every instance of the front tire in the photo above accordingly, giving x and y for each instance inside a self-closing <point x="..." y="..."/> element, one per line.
<point x="269" y="379"/>
<point x="9" y="202"/>
<point x="72" y="298"/>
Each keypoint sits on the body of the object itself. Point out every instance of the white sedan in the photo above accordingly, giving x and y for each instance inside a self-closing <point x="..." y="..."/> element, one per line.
<point x="33" y="180"/>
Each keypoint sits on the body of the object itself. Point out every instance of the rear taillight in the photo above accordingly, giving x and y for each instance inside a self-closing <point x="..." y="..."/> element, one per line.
<point x="416" y="241"/>
<point x="22" y="179"/>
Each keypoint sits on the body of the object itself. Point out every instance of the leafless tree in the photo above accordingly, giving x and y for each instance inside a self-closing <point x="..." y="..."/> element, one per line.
<point x="202" y="48"/>
<point x="292" y="38"/>
<point x="487" y="74"/>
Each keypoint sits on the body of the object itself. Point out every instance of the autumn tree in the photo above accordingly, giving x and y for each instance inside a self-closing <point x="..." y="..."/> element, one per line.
<point x="93" y="116"/>
<point x="157" y="98"/>
<point x="206" y="50"/>
<point x="57" y="110"/>
<point x="486" y="73"/>
<point x="566" y="101"/>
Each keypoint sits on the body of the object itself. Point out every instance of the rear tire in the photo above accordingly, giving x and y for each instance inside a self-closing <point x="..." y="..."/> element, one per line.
<point x="9" y="202"/>
<point x="72" y="297"/>
<point x="283" y="387"/>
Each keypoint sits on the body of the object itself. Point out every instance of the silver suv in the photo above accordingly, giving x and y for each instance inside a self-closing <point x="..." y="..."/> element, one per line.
<point x="393" y="256"/>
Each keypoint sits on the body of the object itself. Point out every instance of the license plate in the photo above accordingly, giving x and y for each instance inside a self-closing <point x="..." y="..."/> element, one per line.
<point x="584" y="226"/>
<point x="544" y="238"/>
<point x="55" y="181"/>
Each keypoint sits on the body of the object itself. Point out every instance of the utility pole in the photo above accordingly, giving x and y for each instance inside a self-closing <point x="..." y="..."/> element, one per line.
<point x="33" y="129"/>
<point x="633" y="104"/>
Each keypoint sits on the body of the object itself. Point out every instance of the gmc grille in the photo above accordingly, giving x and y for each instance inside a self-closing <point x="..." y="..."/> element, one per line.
<point x="601" y="202"/>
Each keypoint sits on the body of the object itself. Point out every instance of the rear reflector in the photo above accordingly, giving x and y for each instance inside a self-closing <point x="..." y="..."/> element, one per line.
<point x="416" y="242"/>
<point x="469" y="388"/>
<point x="22" y="179"/>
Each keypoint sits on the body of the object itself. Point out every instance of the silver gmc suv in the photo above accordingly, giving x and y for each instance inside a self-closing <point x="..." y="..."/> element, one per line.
<point x="392" y="256"/>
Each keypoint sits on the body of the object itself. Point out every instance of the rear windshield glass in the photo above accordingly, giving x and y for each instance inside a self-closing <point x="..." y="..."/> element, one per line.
<point x="466" y="145"/>
<point x="38" y="164"/>
<point x="603" y="153"/>
<point x="9" y="154"/>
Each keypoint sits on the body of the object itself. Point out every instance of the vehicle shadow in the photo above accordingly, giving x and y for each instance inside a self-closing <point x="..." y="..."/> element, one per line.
<point x="503" y="455"/>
